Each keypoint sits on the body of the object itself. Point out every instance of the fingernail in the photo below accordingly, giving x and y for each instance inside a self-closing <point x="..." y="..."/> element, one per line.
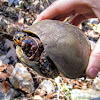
<point x="93" y="72"/>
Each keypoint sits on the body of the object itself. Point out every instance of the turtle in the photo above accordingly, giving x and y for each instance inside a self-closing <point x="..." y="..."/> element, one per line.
<point x="33" y="50"/>
<point x="54" y="48"/>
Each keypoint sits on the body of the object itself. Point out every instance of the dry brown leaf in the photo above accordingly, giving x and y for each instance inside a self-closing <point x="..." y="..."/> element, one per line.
<point x="40" y="92"/>
<point x="3" y="76"/>
<point x="5" y="87"/>
<point x="3" y="67"/>
<point x="51" y="94"/>
<point x="10" y="69"/>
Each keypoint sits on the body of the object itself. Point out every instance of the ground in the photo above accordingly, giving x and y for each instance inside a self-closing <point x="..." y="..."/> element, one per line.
<point x="18" y="81"/>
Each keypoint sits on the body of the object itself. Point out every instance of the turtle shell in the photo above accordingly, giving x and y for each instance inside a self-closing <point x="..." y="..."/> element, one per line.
<point x="66" y="45"/>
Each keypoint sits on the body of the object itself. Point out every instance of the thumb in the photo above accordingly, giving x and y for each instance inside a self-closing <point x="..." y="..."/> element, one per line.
<point x="94" y="62"/>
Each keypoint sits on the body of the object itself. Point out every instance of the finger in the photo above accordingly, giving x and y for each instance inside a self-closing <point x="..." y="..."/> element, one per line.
<point x="63" y="16"/>
<point x="78" y="19"/>
<point x="95" y="5"/>
<point x="97" y="13"/>
<point x="81" y="18"/>
<point x="94" y="62"/>
<point x="57" y="8"/>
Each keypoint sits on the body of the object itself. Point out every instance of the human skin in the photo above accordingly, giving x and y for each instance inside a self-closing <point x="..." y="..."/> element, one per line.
<point x="82" y="10"/>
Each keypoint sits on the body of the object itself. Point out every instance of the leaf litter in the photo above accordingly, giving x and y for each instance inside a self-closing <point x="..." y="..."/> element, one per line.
<point x="18" y="14"/>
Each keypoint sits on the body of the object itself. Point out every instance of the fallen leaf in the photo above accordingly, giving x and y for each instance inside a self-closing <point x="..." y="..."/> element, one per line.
<point x="51" y="94"/>
<point x="3" y="67"/>
<point x="5" y="87"/>
<point x="40" y="92"/>
<point x="10" y="69"/>
<point x="3" y="76"/>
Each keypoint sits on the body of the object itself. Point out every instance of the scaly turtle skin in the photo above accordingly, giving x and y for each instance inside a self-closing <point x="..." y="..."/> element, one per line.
<point x="18" y="38"/>
<point x="66" y="46"/>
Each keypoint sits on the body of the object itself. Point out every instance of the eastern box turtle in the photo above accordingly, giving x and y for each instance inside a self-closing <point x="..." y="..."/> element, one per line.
<point x="52" y="47"/>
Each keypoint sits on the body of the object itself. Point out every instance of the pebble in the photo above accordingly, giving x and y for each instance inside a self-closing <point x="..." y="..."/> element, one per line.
<point x="97" y="83"/>
<point x="86" y="94"/>
<point x="21" y="79"/>
<point x="4" y="59"/>
<point x="48" y="86"/>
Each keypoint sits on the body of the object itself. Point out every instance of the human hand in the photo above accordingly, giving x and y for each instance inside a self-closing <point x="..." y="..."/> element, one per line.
<point x="83" y="10"/>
